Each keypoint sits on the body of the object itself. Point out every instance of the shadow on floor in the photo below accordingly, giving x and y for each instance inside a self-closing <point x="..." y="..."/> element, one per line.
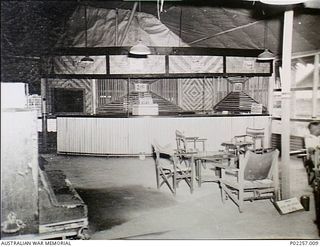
<point x="114" y="206"/>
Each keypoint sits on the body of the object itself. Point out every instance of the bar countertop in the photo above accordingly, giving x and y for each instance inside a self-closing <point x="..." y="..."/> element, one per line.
<point x="158" y="116"/>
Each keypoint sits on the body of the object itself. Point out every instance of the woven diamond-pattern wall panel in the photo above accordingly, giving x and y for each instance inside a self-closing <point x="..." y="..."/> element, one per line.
<point x="196" y="94"/>
<point x="73" y="65"/>
<point x="195" y="64"/>
<point x="72" y="83"/>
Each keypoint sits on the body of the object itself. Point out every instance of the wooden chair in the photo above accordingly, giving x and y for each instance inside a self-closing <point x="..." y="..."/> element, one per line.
<point x="183" y="143"/>
<point x="256" y="178"/>
<point x="255" y="136"/>
<point x="188" y="145"/>
<point x="171" y="170"/>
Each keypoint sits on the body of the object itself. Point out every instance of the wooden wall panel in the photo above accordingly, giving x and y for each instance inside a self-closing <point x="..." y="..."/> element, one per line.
<point x="109" y="90"/>
<point x="257" y="88"/>
<point x="122" y="64"/>
<point x="166" y="88"/>
<point x="195" y="64"/>
<point x="73" y="65"/>
<point x="243" y="65"/>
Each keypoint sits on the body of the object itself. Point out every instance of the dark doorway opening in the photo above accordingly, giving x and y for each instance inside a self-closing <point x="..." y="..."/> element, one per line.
<point x="68" y="100"/>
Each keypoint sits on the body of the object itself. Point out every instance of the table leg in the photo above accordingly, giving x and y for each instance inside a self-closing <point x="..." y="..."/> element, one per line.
<point x="192" y="173"/>
<point x="199" y="172"/>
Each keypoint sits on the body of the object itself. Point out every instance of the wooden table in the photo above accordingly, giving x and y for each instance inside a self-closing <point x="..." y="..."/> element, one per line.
<point x="236" y="146"/>
<point x="218" y="160"/>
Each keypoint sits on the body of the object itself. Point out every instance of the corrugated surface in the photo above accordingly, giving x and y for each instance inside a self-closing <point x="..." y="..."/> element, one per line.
<point x="132" y="136"/>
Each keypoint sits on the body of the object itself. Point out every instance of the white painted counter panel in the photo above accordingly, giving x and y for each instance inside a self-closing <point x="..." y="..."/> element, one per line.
<point x="131" y="136"/>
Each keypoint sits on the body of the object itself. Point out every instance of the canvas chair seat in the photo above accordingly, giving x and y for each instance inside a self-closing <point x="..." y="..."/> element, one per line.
<point x="167" y="165"/>
<point x="231" y="180"/>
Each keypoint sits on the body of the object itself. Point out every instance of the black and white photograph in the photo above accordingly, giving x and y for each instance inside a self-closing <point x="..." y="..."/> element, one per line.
<point x="160" y="120"/>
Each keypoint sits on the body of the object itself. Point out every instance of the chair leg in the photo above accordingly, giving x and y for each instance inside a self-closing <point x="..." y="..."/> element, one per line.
<point x="191" y="183"/>
<point x="223" y="195"/>
<point x="196" y="167"/>
<point x="174" y="178"/>
<point x="158" y="178"/>
<point x="199" y="173"/>
<point x="165" y="180"/>
<point x="241" y="197"/>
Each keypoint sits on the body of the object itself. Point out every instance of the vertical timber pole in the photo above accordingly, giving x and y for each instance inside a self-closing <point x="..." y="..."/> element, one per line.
<point x="286" y="95"/>
<point x="315" y="86"/>
<point x="128" y="97"/>
<point x="44" y="114"/>
<point x="94" y="96"/>
<point x="271" y="84"/>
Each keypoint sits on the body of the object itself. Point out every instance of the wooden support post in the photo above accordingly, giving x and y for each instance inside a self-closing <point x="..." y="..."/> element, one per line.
<point x="94" y="96"/>
<point x="128" y="97"/>
<point x="44" y="113"/>
<point x="293" y="94"/>
<point x="315" y="86"/>
<point x="271" y="85"/>
<point x="285" y="90"/>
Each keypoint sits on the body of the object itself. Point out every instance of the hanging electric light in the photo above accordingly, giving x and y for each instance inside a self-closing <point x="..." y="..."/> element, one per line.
<point x="87" y="59"/>
<point x="266" y="55"/>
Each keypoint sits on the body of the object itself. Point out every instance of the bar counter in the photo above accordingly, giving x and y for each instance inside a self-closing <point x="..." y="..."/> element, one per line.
<point x="108" y="135"/>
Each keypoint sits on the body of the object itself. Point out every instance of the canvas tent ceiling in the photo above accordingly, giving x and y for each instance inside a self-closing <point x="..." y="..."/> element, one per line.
<point x="101" y="29"/>
<point x="32" y="28"/>
<point x="201" y="26"/>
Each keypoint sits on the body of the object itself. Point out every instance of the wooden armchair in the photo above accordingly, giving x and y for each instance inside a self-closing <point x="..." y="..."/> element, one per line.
<point x="170" y="170"/>
<point x="256" y="136"/>
<point x="183" y="143"/>
<point x="256" y="178"/>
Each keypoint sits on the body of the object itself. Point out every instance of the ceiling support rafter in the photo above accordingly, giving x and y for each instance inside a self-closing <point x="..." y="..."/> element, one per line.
<point x="223" y="32"/>
<point x="305" y="54"/>
<point x="135" y="5"/>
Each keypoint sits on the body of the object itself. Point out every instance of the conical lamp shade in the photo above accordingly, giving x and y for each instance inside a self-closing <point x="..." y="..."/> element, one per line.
<point x="282" y="2"/>
<point x="140" y="49"/>
<point x="266" y="55"/>
<point x="87" y="60"/>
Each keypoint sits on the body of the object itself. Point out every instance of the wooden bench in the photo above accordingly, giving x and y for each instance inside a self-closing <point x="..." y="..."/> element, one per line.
<point x="297" y="146"/>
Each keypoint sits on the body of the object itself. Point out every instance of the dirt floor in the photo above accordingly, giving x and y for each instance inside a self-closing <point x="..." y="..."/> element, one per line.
<point x="124" y="203"/>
